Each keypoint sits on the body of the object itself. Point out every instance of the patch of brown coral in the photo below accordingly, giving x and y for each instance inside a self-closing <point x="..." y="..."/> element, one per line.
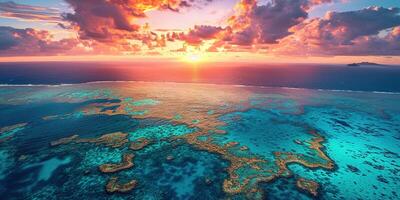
<point x="127" y="162"/>
<point x="113" y="140"/>
<point x="65" y="140"/>
<point x="139" y="144"/>
<point x="114" y="186"/>
<point x="10" y="128"/>
<point x="308" y="185"/>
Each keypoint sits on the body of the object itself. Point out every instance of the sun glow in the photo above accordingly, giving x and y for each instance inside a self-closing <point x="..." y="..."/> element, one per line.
<point x="193" y="58"/>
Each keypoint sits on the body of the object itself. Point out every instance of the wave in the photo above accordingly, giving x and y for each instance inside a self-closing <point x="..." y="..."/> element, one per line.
<point x="215" y="84"/>
<point x="359" y="91"/>
<point x="38" y="85"/>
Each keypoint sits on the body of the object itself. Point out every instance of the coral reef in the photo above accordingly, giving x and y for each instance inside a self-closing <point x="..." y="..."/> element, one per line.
<point x="127" y="162"/>
<point x="8" y="131"/>
<point x="114" y="186"/>
<point x="65" y="140"/>
<point x="139" y="144"/>
<point x="113" y="140"/>
<point x="308" y="185"/>
<point x="288" y="140"/>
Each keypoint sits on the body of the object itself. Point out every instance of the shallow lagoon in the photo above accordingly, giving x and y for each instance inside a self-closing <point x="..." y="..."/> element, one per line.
<point x="197" y="141"/>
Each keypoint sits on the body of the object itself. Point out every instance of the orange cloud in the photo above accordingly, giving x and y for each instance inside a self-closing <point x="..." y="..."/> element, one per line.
<point x="278" y="27"/>
<point x="196" y="35"/>
<point x="110" y="20"/>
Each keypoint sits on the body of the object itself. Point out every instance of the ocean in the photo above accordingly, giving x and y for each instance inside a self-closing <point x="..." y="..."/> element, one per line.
<point x="310" y="76"/>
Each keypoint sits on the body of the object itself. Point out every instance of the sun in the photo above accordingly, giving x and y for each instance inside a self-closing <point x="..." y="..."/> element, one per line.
<point x="193" y="58"/>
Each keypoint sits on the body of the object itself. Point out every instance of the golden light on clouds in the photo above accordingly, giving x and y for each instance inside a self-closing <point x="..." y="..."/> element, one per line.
<point x="192" y="32"/>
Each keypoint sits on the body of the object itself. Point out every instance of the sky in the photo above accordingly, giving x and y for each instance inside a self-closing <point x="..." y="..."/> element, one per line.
<point x="304" y="31"/>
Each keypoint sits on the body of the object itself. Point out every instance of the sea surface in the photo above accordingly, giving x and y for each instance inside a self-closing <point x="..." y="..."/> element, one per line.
<point x="311" y="76"/>
<point x="87" y="130"/>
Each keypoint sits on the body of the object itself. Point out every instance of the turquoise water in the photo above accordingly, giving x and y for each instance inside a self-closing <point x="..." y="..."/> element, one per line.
<point x="160" y="131"/>
<point x="361" y="131"/>
<point x="145" y="102"/>
<point x="264" y="132"/>
<point x="365" y="150"/>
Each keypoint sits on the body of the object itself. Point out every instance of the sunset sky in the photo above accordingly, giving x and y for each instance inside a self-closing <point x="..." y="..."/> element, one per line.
<point x="326" y="31"/>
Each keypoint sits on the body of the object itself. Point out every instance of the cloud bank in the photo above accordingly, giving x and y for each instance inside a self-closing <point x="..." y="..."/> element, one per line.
<point x="278" y="27"/>
<point x="10" y="9"/>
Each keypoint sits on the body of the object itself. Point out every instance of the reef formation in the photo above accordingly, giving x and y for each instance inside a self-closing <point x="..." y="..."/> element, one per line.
<point x="246" y="169"/>
<point x="261" y="133"/>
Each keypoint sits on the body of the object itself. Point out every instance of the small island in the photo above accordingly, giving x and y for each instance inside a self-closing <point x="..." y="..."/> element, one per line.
<point x="364" y="64"/>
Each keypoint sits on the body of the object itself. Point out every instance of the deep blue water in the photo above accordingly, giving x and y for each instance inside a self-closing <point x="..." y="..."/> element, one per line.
<point x="312" y="76"/>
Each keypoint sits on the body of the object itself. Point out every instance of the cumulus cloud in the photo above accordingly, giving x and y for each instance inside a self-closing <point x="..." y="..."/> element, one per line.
<point x="11" y="9"/>
<point x="196" y="35"/>
<point x="110" y="20"/>
<point x="373" y="45"/>
<point x="272" y="27"/>
<point x="31" y="42"/>
<point x="99" y="19"/>
<point x="343" y="28"/>
<point x="349" y="33"/>
<point x="270" y="22"/>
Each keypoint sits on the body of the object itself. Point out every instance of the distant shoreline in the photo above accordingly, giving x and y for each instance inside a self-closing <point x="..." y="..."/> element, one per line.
<point x="366" y="64"/>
